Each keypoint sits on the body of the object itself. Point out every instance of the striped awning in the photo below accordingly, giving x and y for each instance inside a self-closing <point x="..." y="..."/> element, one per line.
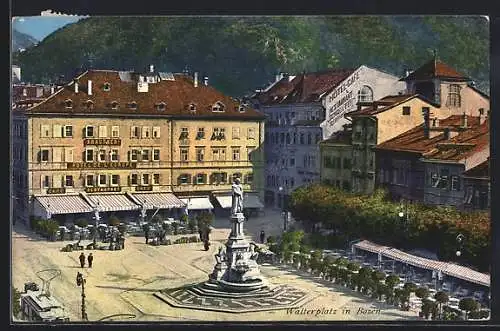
<point x="64" y="204"/>
<point x="370" y="247"/>
<point x="450" y="269"/>
<point x="163" y="200"/>
<point x="197" y="203"/>
<point x="225" y="201"/>
<point x="458" y="271"/>
<point x="252" y="200"/>
<point x="113" y="202"/>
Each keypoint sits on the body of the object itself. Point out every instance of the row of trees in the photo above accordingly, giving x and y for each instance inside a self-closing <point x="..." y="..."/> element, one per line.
<point x="376" y="218"/>
<point x="290" y="249"/>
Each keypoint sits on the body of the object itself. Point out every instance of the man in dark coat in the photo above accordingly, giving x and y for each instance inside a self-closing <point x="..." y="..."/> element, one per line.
<point x="262" y="236"/>
<point x="90" y="259"/>
<point x="82" y="260"/>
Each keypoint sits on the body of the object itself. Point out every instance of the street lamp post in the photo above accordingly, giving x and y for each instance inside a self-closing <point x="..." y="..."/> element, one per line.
<point x="404" y="216"/>
<point x="80" y="281"/>
<point x="283" y="210"/>
<point x="97" y="218"/>
<point x="460" y="241"/>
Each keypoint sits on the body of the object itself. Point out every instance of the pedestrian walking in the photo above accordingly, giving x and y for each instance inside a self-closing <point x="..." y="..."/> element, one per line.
<point x="90" y="258"/>
<point x="82" y="260"/>
<point x="262" y="236"/>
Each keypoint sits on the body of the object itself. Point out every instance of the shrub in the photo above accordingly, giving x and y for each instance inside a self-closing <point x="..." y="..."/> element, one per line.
<point x="16" y="301"/>
<point x="113" y="220"/>
<point x="175" y="226"/>
<point x="191" y="225"/>
<point x="82" y="222"/>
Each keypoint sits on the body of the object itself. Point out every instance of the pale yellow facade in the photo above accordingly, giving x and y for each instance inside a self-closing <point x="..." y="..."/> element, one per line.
<point x="97" y="154"/>
<point x="336" y="160"/>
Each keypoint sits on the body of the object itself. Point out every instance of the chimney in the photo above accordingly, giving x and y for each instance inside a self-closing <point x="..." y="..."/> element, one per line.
<point x="435" y="122"/>
<point x="205" y="80"/>
<point x="278" y="77"/>
<point x="482" y="116"/>
<point x="464" y="120"/>
<point x="151" y="68"/>
<point x="407" y="72"/>
<point x="89" y="86"/>
<point x="52" y="89"/>
<point x="195" y="79"/>
<point x="76" y="86"/>
<point x="425" y="112"/>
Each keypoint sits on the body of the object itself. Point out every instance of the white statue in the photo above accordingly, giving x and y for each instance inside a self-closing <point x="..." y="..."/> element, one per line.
<point x="237" y="197"/>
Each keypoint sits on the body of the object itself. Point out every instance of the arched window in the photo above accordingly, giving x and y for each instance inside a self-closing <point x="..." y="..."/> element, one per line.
<point x="132" y="105"/>
<point x="68" y="103"/>
<point x="218" y="107"/>
<point x="161" y="106"/>
<point x="365" y="94"/>
<point x="107" y="86"/>
<point x="114" y="105"/>
<point x="192" y="107"/>
<point x="90" y="104"/>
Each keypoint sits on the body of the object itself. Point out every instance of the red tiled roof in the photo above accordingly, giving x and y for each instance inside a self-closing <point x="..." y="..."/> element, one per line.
<point x="467" y="142"/>
<point x="435" y="69"/>
<point x="306" y="87"/>
<point x="177" y="94"/>
<point x="482" y="170"/>
<point x="382" y="105"/>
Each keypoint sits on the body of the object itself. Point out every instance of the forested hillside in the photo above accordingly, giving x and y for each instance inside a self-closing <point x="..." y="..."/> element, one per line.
<point x="240" y="54"/>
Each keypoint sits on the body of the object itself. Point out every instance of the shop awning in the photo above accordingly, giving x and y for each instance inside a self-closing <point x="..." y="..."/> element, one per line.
<point x="224" y="200"/>
<point x="447" y="268"/>
<point x="64" y="204"/>
<point x="112" y="202"/>
<point x="252" y="200"/>
<point x="160" y="200"/>
<point x="194" y="203"/>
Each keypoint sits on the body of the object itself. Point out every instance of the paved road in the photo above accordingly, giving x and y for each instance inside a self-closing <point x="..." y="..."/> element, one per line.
<point x="123" y="282"/>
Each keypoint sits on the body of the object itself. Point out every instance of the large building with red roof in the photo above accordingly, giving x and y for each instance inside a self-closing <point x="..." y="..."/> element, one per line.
<point x="302" y="110"/>
<point x="125" y="142"/>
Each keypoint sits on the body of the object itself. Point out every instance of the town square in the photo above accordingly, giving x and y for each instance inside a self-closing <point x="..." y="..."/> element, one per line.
<point x="247" y="168"/>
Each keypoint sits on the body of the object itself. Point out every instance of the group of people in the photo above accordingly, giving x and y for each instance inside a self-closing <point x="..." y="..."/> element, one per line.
<point x="90" y="259"/>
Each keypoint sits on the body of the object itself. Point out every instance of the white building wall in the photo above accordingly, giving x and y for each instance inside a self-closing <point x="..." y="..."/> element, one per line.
<point x="343" y="98"/>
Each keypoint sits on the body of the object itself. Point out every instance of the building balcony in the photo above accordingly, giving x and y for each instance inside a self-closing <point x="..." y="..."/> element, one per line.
<point x="217" y="164"/>
<point x="206" y="187"/>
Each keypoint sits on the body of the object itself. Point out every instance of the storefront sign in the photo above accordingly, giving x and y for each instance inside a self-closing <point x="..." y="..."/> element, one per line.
<point x="101" y="165"/>
<point x="103" y="189"/>
<point x="102" y="141"/>
<point x="56" y="190"/>
<point x="144" y="188"/>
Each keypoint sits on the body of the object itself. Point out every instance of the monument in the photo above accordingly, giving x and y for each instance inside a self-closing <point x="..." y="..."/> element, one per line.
<point x="236" y="283"/>
<point x="236" y="268"/>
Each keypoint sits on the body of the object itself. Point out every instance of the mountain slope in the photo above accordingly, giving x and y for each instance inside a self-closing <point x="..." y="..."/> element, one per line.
<point x="21" y="40"/>
<point x="240" y="54"/>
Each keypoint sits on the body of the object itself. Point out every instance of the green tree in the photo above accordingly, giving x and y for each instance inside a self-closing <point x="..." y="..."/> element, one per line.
<point x="422" y="292"/>
<point x="82" y="222"/>
<point x="441" y="298"/>
<point x="469" y="305"/>
<point x="16" y="301"/>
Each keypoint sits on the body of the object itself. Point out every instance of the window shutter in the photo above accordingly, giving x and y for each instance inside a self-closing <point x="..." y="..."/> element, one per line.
<point x="41" y="181"/>
<point x="132" y="131"/>
<point x="56" y="154"/>
<point x="189" y="178"/>
<point x="205" y="178"/>
<point x="56" y="181"/>
<point x="68" y="154"/>
<point x="179" y="180"/>
<point x="103" y="131"/>
<point x="56" y="129"/>
<point x="143" y="131"/>
<point x="195" y="178"/>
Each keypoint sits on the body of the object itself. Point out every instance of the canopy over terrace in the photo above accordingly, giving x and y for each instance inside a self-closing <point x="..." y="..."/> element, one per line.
<point x="197" y="203"/>
<point x="250" y="200"/>
<point x="45" y="206"/>
<point x="446" y="268"/>
<point x="163" y="200"/>
<point x="111" y="202"/>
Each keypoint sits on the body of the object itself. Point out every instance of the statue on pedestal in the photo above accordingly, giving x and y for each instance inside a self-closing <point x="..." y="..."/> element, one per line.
<point x="237" y="197"/>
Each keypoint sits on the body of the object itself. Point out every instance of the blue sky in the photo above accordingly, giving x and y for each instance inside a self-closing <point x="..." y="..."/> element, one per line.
<point x="40" y="27"/>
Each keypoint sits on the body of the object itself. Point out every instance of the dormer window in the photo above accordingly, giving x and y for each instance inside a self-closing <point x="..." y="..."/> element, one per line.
<point x="218" y="107"/>
<point x="68" y="103"/>
<point x="90" y="104"/>
<point x="242" y="108"/>
<point x="161" y="106"/>
<point x="192" y="107"/>
<point x="114" y="105"/>
<point x="132" y="105"/>
<point x="107" y="87"/>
